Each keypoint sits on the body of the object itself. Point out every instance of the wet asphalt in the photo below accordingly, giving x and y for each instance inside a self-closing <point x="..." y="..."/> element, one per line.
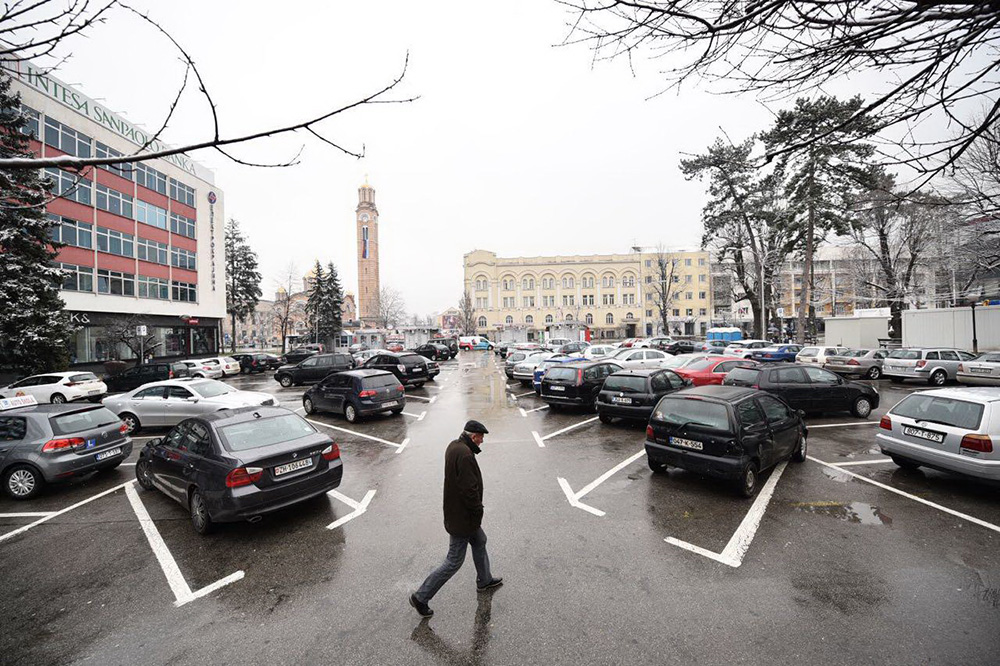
<point x="840" y="571"/>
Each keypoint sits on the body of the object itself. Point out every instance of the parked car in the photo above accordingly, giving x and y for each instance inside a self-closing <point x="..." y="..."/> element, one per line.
<point x="230" y="366"/>
<point x="524" y="371"/>
<point x="712" y="369"/>
<point x="745" y="348"/>
<point x="144" y="374"/>
<point x="362" y="356"/>
<point x="169" y="402"/>
<point x="296" y="356"/>
<point x="313" y="369"/>
<point x="679" y="347"/>
<point x="576" y="384"/>
<point x="356" y="394"/>
<point x="483" y="345"/>
<point x="726" y="432"/>
<point x="516" y="357"/>
<point x="240" y="464"/>
<point x="684" y="360"/>
<point x="808" y="388"/>
<point x="573" y="348"/>
<point x="58" y="387"/>
<point x="501" y="348"/>
<point x="951" y="429"/>
<point x="775" y="353"/>
<point x="555" y="343"/>
<point x="251" y="363"/>
<point x="598" y="351"/>
<point x="557" y="359"/>
<point x="632" y="394"/>
<point x="818" y="355"/>
<point x="433" y="351"/>
<point x="660" y="342"/>
<point x="433" y="369"/>
<point x="857" y="363"/>
<point x="635" y="357"/>
<point x="450" y="343"/>
<point x="203" y="370"/>
<point x="314" y="347"/>
<point x="717" y="346"/>
<point x="410" y="369"/>
<point x="935" y="366"/>
<point x="628" y="342"/>
<point x="357" y="347"/>
<point x="394" y="346"/>
<point x="44" y="444"/>
<point x="984" y="370"/>
<point x="469" y="342"/>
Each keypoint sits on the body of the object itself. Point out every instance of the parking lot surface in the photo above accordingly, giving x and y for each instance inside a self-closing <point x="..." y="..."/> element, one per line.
<point x="842" y="559"/>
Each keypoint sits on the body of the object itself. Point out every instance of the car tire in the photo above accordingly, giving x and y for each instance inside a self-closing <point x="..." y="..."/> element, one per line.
<point x="862" y="407"/>
<point x="131" y="422"/>
<point x="554" y="407"/>
<point x="22" y="482"/>
<point x="937" y="378"/>
<point x="874" y="372"/>
<point x="749" y="479"/>
<point x="351" y="413"/>
<point x="801" y="450"/>
<point x="418" y="385"/>
<point x="307" y="406"/>
<point x="397" y="411"/>
<point x="144" y="473"/>
<point x="286" y="381"/>
<point x="605" y="418"/>
<point x="657" y="467"/>
<point x="905" y="463"/>
<point x="198" y="375"/>
<point x="201" y="520"/>
<point x="58" y="399"/>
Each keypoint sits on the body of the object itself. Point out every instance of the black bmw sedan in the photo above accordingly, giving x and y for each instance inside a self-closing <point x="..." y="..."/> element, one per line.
<point x="239" y="464"/>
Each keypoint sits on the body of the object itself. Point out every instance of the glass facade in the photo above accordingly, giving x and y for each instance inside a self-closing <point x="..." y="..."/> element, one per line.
<point x="91" y="344"/>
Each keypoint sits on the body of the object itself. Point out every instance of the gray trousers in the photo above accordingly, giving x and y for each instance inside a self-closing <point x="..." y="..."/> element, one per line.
<point x="453" y="562"/>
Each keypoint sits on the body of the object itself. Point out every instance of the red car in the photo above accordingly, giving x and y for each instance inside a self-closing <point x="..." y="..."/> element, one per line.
<point x="394" y="346"/>
<point x="712" y="370"/>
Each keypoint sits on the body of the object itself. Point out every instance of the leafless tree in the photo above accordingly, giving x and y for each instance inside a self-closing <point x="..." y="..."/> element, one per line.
<point x="390" y="309"/>
<point x="664" y="276"/>
<point x="122" y="331"/>
<point x="286" y="308"/>
<point x="467" y="313"/>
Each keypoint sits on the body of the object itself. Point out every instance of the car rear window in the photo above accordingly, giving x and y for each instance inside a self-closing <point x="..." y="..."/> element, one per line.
<point x="627" y="383"/>
<point x="853" y="353"/>
<point x="905" y="354"/>
<point x="412" y="359"/>
<point x="264" y="432"/>
<point x="83" y="377"/>
<point x="65" y="424"/>
<point x="379" y="381"/>
<point x="561" y="373"/>
<point x="937" y="409"/>
<point x="748" y="375"/>
<point x="229" y="359"/>
<point x="809" y="351"/>
<point x="678" y="411"/>
<point x="989" y="358"/>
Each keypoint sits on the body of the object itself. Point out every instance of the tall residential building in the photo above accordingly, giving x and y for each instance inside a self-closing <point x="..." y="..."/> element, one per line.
<point x="615" y="295"/>
<point x="368" y="281"/>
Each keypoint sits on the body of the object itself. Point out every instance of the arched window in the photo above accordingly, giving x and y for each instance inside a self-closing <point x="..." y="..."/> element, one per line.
<point x="608" y="281"/>
<point x="587" y="282"/>
<point x="528" y="284"/>
<point x="569" y="317"/>
<point x="482" y="322"/>
<point x="509" y="320"/>
<point x="568" y="282"/>
<point x="629" y="315"/>
<point x="548" y="282"/>
<point x="628" y="280"/>
<point x="482" y="284"/>
<point x="529" y="320"/>
<point x="508" y="284"/>
<point x="548" y="319"/>
<point x="589" y="318"/>
<point x="610" y="318"/>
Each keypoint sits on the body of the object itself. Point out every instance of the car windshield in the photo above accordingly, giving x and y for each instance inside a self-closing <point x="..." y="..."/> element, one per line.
<point x="941" y="410"/>
<point x="64" y="424"/>
<point x="701" y="364"/>
<point x="626" y="383"/>
<point x="684" y="411"/>
<point x="211" y="388"/>
<point x="412" y="359"/>
<point x="83" y="377"/>
<point x="905" y="354"/>
<point x="621" y="353"/>
<point x="737" y="345"/>
<point x="264" y="432"/>
<point x="561" y="373"/>
<point x="809" y="351"/>
<point x="674" y="362"/>
<point x="380" y="381"/>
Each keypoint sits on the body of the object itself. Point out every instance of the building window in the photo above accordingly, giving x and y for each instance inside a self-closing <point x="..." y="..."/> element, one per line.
<point x="123" y="170"/>
<point x="183" y="259"/>
<point x="649" y="313"/>
<point x="114" y="282"/>
<point x="628" y="299"/>
<point x="689" y="312"/>
<point x="649" y="279"/>
<point x="702" y="312"/>
<point x="568" y="283"/>
<point x="151" y="287"/>
<point x="687" y="279"/>
<point x="548" y="319"/>
<point x="181" y="225"/>
<point x="115" y="242"/>
<point x="150" y="178"/>
<point x="589" y="319"/>
<point x="150" y="250"/>
<point x="71" y="232"/>
<point x="482" y="322"/>
<point x="688" y="295"/>
<point x="608" y="299"/>
<point x="509" y="320"/>
<point x="687" y="262"/>
<point x="77" y="278"/>
<point x="649" y="263"/>
<point x="31" y="121"/>
<point x="508" y="284"/>
<point x="68" y="186"/>
<point x="587" y="282"/>
<point x="114" y="201"/>
<point x="528" y="283"/>
<point x="147" y="213"/>
<point x="610" y="319"/>
<point x="528" y="301"/>
<point x="508" y="301"/>
<point x="628" y="281"/>
<point x="482" y="303"/>
<point x="702" y="278"/>
<point x="701" y="261"/>
<point x="702" y="294"/>
<point x="66" y="139"/>
<point x="629" y="315"/>
<point x="184" y="291"/>
<point x="608" y="281"/>
<point x="568" y="299"/>
<point x="181" y="192"/>
<point x="677" y="312"/>
<point x="529" y="320"/>
<point x="649" y="295"/>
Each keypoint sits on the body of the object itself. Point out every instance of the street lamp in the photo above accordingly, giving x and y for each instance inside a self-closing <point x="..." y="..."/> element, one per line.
<point x="972" y="304"/>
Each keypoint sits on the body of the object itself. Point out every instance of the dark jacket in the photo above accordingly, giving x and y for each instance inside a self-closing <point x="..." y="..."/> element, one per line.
<point x="463" y="488"/>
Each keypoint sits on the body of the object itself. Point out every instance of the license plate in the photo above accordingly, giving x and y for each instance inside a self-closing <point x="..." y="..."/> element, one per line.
<point x="982" y="371"/>
<point x="104" y="455"/>
<point x="292" y="466"/>
<point x="390" y="403"/>
<point x="621" y="401"/>
<point x="935" y="437"/>
<point x="96" y="391"/>
<point x="687" y="443"/>
<point x="557" y="388"/>
<point x="416" y="370"/>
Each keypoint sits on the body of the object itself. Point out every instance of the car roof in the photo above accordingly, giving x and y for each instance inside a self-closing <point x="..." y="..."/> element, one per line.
<point x="586" y="363"/>
<point x="225" y="417"/>
<point x="982" y="394"/>
<point x="638" y="372"/>
<point x="48" y="409"/>
<point x="365" y="372"/>
<point x="177" y="381"/>
<point x="716" y="392"/>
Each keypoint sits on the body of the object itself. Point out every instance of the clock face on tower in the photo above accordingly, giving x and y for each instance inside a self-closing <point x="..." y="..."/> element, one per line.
<point x="364" y="217"/>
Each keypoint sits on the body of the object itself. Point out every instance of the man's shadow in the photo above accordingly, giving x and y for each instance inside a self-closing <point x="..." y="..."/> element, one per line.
<point x="425" y="637"/>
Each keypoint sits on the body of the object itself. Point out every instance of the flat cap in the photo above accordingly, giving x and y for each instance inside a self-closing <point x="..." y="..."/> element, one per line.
<point x="475" y="426"/>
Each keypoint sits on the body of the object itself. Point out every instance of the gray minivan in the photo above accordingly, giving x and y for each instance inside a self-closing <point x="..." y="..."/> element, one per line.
<point x="934" y="365"/>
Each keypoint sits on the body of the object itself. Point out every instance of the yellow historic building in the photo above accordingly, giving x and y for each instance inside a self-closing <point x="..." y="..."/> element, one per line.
<point x="613" y="294"/>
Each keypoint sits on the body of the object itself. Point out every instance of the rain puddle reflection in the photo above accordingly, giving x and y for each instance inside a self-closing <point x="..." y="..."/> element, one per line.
<point x="851" y="512"/>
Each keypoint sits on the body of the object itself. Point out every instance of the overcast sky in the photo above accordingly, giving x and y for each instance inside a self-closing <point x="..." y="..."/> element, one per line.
<point x="516" y="144"/>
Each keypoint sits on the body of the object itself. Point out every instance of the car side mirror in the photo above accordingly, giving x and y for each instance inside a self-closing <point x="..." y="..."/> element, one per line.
<point x="801" y="413"/>
<point x="688" y="382"/>
<point x="154" y="442"/>
<point x="193" y="399"/>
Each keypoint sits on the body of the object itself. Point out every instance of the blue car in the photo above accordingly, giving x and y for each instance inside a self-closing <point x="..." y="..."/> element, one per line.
<point x="536" y="380"/>
<point x="483" y="345"/>
<point x="776" y="353"/>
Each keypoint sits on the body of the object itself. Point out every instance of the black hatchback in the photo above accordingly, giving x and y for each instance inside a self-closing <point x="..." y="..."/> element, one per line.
<point x="239" y="464"/>
<point x="410" y="369"/>
<point x="632" y="394"/>
<point x="577" y="383"/>
<point x="433" y="351"/>
<point x="356" y="394"/>
<point x="724" y="431"/>
<point x="808" y="388"/>
<point x="450" y="343"/>
<point x="313" y="369"/>
<point x="258" y="362"/>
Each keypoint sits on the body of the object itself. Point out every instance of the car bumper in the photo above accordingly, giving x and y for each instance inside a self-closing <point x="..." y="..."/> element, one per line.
<point x="943" y="460"/>
<point x="250" y="501"/>
<point x="368" y="407"/>
<point x="509" y="372"/>
<point x="554" y="399"/>
<point x="410" y="380"/>
<point x="905" y="374"/>
<point x="850" y="370"/>
<point x="67" y="465"/>
<point x="692" y="461"/>
<point x="520" y="376"/>
<point x="978" y="380"/>
<point x="636" y="412"/>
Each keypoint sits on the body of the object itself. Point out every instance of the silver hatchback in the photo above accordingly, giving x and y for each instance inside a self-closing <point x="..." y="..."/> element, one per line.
<point x="936" y="366"/>
<point x="857" y="363"/>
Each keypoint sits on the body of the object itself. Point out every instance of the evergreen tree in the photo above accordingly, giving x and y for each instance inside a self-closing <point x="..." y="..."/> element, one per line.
<point x="335" y="301"/>
<point x="242" y="277"/>
<point x="34" y="330"/>
<point x="316" y="302"/>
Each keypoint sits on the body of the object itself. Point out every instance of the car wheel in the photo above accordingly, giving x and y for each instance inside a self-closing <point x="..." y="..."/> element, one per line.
<point x="131" y="422"/>
<point x="418" y="384"/>
<point x="938" y="378"/>
<point x="58" y="399"/>
<point x="397" y="411"/>
<point x="799" y="455"/>
<point x="904" y="463"/>
<point x="144" y="473"/>
<point x="198" y="375"/>
<point x="351" y="413"/>
<point x="874" y="372"/>
<point x="657" y="467"/>
<point x="862" y="407"/>
<point x="605" y="418"/>
<point x="749" y="479"/>
<point x="200" y="518"/>
<point x="22" y="482"/>
<point x="285" y="380"/>
<point x="307" y="405"/>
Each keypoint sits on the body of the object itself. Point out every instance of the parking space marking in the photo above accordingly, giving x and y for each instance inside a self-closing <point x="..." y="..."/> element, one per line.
<point x="880" y="461"/>
<point x="521" y="395"/>
<point x="538" y="439"/>
<point x="27" y="514"/>
<point x="541" y="439"/>
<point x="429" y="401"/>
<point x="183" y="593"/>
<point x="574" y="498"/>
<point x="359" y="507"/>
<point x="841" y="425"/>
<point x="399" y="447"/>
<point x="732" y="555"/>
<point x="536" y="409"/>
<point x="418" y="417"/>
<point x="957" y="514"/>
<point x="43" y="519"/>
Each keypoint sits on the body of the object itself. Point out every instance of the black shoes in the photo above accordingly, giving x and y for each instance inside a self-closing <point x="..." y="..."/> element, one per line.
<point x="423" y="609"/>
<point x="496" y="582"/>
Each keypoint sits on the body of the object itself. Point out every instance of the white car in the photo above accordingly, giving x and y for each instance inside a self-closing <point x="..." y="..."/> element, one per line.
<point x="204" y="370"/>
<point x="818" y="355"/>
<point x="362" y="356"/>
<point x="229" y="365"/>
<point x="598" y="351"/>
<point x="983" y="370"/>
<point x="632" y="358"/>
<point x="524" y="371"/>
<point x="58" y="387"/>
<point x="743" y="348"/>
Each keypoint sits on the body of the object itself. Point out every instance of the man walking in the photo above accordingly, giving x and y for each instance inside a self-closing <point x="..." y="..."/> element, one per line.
<point x="463" y="517"/>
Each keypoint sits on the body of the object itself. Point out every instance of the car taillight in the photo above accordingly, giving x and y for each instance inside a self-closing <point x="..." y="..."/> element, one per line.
<point x="331" y="452"/>
<point x="921" y="364"/>
<point x="853" y="361"/>
<point x="61" y="444"/>
<point x="579" y="377"/>
<point x="367" y="393"/>
<point x="170" y="374"/>
<point x="885" y="423"/>
<point x="649" y="432"/>
<point x="981" y="443"/>
<point x="243" y="476"/>
<point x="400" y="388"/>
<point x="961" y="367"/>
<point x="73" y="383"/>
<point x="123" y="428"/>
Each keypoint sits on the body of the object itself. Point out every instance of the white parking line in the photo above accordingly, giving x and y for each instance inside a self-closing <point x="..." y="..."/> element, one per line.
<point x="359" y="507"/>
<point x="27" y="514"/>
<point x="536" y="409"/>
<point x="178" y="585"/>
<point x="957" y="514"/>
<point x="523" y="413"/>
<point x="359" y="434"/>
<point x="539" y="440"/>
<point x="419" y="417"/>
<point x="842" y="425"/>
<point x="564" y="430"/>
<point x="521" y="395"/>
<point x="732" y="554"/>
<point x="429" y="401"/>
<point x="863" y="462"/>
<point x="43" y="519"/>
<point x="574" y="498"/>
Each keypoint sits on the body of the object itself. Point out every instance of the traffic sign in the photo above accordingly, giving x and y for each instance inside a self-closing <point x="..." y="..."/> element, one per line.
<point x="141" y="330"/>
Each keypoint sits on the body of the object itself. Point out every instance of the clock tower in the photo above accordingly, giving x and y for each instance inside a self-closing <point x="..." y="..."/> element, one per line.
<point x="368" y="282"/>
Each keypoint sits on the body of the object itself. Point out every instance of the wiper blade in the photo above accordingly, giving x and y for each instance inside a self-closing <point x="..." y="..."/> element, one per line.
<point x="944" y="423"/>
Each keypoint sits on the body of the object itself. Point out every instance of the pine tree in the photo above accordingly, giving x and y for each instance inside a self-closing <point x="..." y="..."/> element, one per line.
<point x="34" y="330"/>
<point x="335" y="301"/>
<point x="242" y="277"/>
<point x="315" y="303"/>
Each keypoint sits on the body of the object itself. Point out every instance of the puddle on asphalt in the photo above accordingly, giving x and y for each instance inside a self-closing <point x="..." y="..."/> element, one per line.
<point x="870" y="451"/>
<point x="852" y="512"/>
<point x="836" y="474"/>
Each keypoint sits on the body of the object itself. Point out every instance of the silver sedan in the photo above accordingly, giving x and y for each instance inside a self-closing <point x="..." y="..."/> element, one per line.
<point x="169" y="402"/>
<point x="857" y="363"/>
